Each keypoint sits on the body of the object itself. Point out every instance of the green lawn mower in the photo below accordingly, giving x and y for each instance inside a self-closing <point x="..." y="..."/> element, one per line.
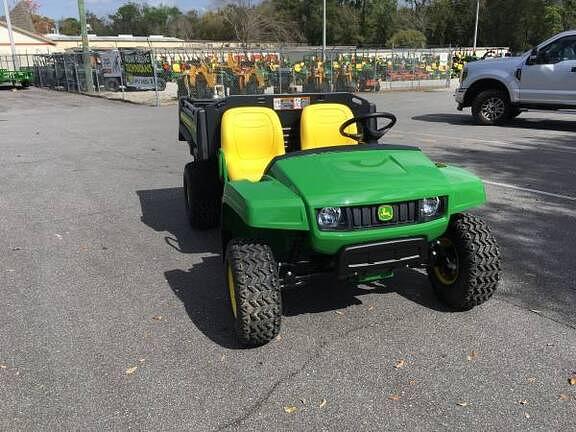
<point x="300" y="187"/>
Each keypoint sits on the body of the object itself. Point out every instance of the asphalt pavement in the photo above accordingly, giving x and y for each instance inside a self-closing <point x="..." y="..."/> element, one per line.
<point x="114" y="315"/>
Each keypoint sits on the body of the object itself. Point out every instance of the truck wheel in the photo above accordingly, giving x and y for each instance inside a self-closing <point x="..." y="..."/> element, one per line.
<point x="466" y="268"/>
<point x="254" y="291"/>
<point x="491" y="107"/>
<point x="111" y="84"/>
<point x="202" y="194"/>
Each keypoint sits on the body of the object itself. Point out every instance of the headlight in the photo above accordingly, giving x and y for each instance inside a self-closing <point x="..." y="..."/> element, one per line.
<point x="329" y="217"/>
<point x="431" y="208"/>
<point x="464" y="75"/>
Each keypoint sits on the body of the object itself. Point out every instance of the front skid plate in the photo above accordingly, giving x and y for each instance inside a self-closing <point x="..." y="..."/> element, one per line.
<point x="365" y="259"/>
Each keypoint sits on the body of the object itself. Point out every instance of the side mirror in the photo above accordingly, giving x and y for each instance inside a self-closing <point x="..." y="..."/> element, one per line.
<point x="534" y="56"/>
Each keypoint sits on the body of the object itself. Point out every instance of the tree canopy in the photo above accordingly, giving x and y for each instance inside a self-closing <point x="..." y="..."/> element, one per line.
<point x="515" y="23"/>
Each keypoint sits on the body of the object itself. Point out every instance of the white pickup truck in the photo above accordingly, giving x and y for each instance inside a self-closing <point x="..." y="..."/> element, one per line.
<point x="543" y="78"/>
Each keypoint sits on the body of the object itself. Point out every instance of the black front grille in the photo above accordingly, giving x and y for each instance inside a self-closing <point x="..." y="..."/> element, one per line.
<point x="367" y="216"/>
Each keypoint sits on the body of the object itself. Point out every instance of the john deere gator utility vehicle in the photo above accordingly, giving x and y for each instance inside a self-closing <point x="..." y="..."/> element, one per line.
<point x="301" y="187"/>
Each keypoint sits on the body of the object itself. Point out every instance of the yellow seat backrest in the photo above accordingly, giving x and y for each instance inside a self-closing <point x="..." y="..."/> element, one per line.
<point x="251" y="138"/>
<point x="320" y="126"/>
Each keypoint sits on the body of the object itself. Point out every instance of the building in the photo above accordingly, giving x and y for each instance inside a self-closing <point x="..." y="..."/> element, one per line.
<point x="26" y="42"/>
<point x="66" y="43"/>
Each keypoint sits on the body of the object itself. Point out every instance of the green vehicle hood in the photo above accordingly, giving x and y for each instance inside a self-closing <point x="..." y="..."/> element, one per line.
<point x="298" y="184"/>
<point x="344" y="178"/>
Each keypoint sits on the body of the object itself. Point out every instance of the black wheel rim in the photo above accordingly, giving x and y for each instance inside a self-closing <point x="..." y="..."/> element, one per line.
<point x="447" y="263"/>
<point x="493" y="108"/>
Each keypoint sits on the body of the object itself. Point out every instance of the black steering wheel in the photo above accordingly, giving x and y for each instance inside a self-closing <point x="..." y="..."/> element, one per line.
<point x="369" y="134"/>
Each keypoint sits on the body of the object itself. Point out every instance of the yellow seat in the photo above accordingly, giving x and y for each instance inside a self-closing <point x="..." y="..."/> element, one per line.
<point x="320" y="126"/>
<point x="251" y="138"/>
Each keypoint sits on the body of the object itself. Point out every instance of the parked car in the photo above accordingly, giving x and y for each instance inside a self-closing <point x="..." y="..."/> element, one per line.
<point x="544" y="78"/>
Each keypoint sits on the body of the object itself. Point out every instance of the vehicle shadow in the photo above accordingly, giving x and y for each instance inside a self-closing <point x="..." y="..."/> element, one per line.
<point x="201" y="287"/>
<point x="329" y="294"/>
<point x="518" y="123"/>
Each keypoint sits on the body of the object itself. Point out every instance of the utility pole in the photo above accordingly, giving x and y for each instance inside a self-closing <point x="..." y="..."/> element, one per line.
<point x="476" y="26"/>
<point x="85" y="47"/>
<point x="324" y="33"/>
<point x="11" y="36"/>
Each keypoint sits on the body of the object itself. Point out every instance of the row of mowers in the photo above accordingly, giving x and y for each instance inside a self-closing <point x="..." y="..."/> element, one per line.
<point x="213" y="76"/>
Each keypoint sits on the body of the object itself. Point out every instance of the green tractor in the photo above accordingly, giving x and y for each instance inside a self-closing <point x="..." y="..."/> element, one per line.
<point x="300" y="187"/>
<point x="21" y="77"/>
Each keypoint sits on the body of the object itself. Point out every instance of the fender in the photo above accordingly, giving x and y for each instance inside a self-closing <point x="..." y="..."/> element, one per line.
<point x="266" y="204"/>
<point x="507" y="80"/>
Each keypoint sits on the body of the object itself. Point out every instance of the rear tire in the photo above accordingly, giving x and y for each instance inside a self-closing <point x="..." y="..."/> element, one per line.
<point x="202" y="194"/>
<point x="468" y="268"/>
<point x="254" y="291"/>
<point x="491" y="107"/>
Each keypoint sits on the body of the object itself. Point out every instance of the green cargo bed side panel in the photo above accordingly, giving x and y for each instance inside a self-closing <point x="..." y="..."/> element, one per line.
<point x="266" y="204"/>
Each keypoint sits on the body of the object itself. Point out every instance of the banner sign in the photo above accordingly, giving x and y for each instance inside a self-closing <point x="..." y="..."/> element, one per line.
<point x="138" y="69"/>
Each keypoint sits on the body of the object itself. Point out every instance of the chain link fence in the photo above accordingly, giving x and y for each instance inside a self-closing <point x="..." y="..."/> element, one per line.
<point x="162" y="75"/>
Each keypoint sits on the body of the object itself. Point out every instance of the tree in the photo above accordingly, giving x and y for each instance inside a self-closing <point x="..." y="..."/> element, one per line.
<point x="251" y="23"/>
<point x="127" y="20"/>
<point x="519" y="24"/>
<point x="25" y="15"/>
<point x="69" y="27"/>
<point x="157" y="20"/>
<point x="379" y="23"/>
<point x="97" y="25"/>
<point x="419" y="10"/>
<point x="43" y="24"/>
<point x="569" y="14"/>
<point x="213" y="26"/>
<point x="408" y="39"/>
<point x="185" y="26"/>
<point x="553" y="19"/>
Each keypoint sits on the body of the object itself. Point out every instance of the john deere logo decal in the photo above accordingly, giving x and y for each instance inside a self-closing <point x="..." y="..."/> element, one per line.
<point x="385" y="213"/>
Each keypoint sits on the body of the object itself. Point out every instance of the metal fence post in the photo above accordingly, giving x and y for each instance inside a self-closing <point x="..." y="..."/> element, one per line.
<point x="56" y="74"/>
<point x="155" y="78"/>
<point x="76" y="74"/>
<point x="375" y="74"/>
<point x="122" y="86"/>
<point x="331" y="81"/>
<point x="413" y="68"/>
<point x="279" y="71"/>
<point x="66" y="76"/>
<point x="97" y="80"/>
<point x="40" y="71"/>
<point x="449" y="67"/>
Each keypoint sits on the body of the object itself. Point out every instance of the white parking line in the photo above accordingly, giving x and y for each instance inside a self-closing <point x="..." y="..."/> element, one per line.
<point x="508" y="144"/>
<point x="534" y="191"/>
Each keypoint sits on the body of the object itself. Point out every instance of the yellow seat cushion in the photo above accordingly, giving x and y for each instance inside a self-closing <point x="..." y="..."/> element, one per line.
<point x="320" y="126"/>
<point x="251" y="137"/>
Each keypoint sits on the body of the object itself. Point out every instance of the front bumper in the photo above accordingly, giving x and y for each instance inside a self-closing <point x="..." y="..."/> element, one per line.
<point x="460" y="96"/>
<point x="373" y="258"/>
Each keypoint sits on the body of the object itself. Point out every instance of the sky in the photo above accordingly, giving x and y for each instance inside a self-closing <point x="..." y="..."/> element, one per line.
<point x="57" y="9"/>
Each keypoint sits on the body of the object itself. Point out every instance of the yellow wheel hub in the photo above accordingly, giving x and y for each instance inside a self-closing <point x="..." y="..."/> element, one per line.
<point x="232" y="290"/>
<point x="447" y="269"/>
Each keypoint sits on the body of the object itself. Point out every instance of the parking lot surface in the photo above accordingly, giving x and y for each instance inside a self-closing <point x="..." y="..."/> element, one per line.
<point x="114" y="313"/>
